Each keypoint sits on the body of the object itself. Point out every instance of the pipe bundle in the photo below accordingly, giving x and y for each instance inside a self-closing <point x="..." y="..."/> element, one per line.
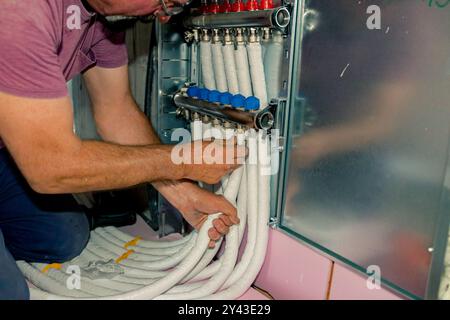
<point x="181" y="269"/>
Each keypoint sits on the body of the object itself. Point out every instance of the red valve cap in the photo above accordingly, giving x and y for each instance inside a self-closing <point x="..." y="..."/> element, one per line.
<point x="266" y="4"/>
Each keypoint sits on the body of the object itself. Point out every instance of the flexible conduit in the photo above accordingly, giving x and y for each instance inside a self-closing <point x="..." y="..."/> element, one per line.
<point x="257" y="72"/>
<point x="243" y="70"/>
<point x="273" y="61"/>
<point x="207" y="65"/>
<point x="154" y="279"/>
<point x="230" y="68"/>
<point x="219" y="67"/>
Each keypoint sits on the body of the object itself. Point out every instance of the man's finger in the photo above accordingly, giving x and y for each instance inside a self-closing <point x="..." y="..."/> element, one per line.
<point x="226" y="220"/>
<point x="220" y="226"/>
<point x="212" y="244"/>
<point x="229" y="210"/>
<point x="213" y="234"/>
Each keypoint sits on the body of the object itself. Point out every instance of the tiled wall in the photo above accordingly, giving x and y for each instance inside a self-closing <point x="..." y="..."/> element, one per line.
<point x="293" y="271"/>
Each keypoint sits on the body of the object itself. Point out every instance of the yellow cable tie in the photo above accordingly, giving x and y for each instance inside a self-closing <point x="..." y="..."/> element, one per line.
<point x="124" y="256"/>
<point x="56" y="266"/>
<point x="133" y="242"/>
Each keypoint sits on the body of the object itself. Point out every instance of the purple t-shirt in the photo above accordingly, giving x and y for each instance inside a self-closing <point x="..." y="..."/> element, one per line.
<point x="45" y="43"/>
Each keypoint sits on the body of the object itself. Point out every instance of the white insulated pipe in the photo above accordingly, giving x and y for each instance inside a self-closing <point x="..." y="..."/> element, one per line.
<point x="219" y="64"/>
<point x="273" y="61"/>
<point x="197" y="130"/>
<point x="243" y="67"/>
<point x="239" y="287"/>
<point x="257" y="72"/>
<point x="230" y="64"/>
<point x="229" y="257"/>
<point x="206" y="60"/>
<point x="145" y="293"/>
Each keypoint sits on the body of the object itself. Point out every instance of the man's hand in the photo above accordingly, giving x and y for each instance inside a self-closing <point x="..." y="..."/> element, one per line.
<point x="196" y="204"/>
<point x="209" y="162"/>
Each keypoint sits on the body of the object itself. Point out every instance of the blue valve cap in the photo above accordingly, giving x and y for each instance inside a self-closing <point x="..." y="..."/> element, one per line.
<point x="193" y="92"/>
<point x="204" y="94"/>
<point x="214" y="96"/>
<point x="238" y="101"/>
<point x="225" y="98"/>
<point x="252" y="104"/>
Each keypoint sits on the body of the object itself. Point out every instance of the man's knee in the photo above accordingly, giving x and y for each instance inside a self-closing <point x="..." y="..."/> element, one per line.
<point x="71" y="237"/>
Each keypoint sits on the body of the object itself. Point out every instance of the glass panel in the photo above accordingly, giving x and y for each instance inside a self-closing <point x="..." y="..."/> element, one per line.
<point x="370" y="134"/>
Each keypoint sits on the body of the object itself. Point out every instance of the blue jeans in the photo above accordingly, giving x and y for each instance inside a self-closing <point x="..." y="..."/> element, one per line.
<point x="34" y="228"/>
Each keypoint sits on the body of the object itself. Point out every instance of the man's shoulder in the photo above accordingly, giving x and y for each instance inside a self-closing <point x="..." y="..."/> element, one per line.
<point x="41" y="18"/>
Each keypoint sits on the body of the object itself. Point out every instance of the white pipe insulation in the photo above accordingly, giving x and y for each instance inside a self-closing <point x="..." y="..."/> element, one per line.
<point x="273" y="61"/>
<point x="230" y="64"/>
<point x="207" y="65"/>
<point x="219" y="64"/>
<point x="243" y="70"/>
<point x="238" y="288"/>
<point x="257" y="72"/>
<point x="150" y="280"/>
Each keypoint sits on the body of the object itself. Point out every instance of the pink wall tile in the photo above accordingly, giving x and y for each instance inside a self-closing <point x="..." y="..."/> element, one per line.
<point x="347" y="284"/>
<point x="293" y="271"/>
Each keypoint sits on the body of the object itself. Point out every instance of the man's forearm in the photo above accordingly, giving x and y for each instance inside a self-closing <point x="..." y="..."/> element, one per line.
<point x="105" y="166"/>
<point x="132" y="127"/>
<point x="127" y="125"/>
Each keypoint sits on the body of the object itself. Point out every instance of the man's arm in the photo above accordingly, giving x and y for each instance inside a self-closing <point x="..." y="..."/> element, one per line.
<point x="118" y="117"/>
<point x="39" y="135"/>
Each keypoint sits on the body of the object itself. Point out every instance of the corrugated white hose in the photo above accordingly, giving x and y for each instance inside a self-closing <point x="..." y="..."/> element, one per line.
<point x="217" y="133"/>
<point x="145" y="243"/>
<point x="253" y="208"/>
<point x="157" y="252"/>
<point x="235" y="184"/>
<point x="100" y="287"/>
<point x="86" y="286"/>
<point x="273" y="65"/>
<point x="197" y="130"/>
<point x="129" y="272"/>
<point x="207" y="65"/>
<point x="148" y="292"/>
<point x="206" y="129"/>
<point x="159" y="265"/>
<point x="245" y="210"/>
<point x="243" y="70"/>
<point x="219" y="67"/>
<point x="240" y="287"/>
<point x="214" y="267"/>
<point x="230" y="68"/>
<point x="257" y="72"/>
<point x="97" y="252"/>
<point x="39" y="279"/>
<point x="117" y="284"/>
<point x="120" y="250"/>
<point x="242" y="210"/>
<point x="228" y="258"/>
